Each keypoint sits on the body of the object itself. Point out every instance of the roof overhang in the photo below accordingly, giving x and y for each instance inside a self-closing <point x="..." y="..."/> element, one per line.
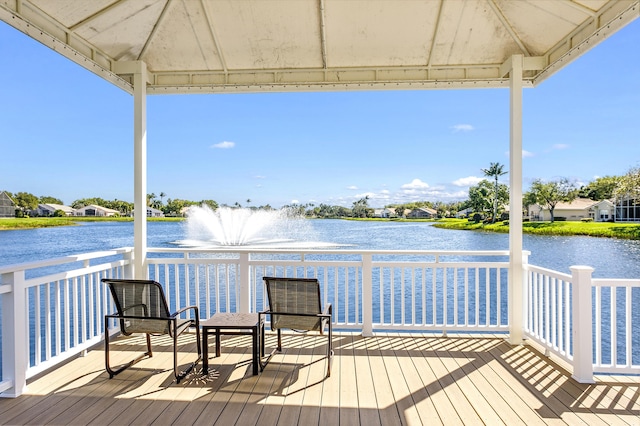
<point x="225" y="46"/>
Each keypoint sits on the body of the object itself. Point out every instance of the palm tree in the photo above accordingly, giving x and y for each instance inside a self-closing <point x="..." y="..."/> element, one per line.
<point x="495" y="170"/>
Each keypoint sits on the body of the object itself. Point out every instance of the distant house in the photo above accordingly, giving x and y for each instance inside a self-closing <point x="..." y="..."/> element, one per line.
<point x="627" y="209"/>
<point x="95" y="210"/>
<point x="151" y="212"/>
<point x="578" y="209"/>
<point x="384" y="213"/>
<point x="49" y="209"/>
<point x="7" y="206"/>
<point x="464" y="213"/>
<point x="423" y="213"/>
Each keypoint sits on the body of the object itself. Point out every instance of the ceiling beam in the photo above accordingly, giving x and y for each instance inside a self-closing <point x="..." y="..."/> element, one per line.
<point x="323" y="39"/>
<point x="214" y="35"/>
<point x="161" y="18"/>
<point x="434" y="36"/>
<point x="507" y="25"/>
<point x="97" y="14"/>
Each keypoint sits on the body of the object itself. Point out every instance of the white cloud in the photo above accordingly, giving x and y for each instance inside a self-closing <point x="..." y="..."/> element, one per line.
<point x="295" y="202"/>
<point x="352" y="187"/>
<point x="462" y="128"/>
<point x="415" y="184"/>
<point x="260" y="177"/>
<point x="224" y="145"/>
<point x="384" y="191"/>
<point x="371" y="195"/>
<point x="560" y="146"/>
<point x="467" y="181"/>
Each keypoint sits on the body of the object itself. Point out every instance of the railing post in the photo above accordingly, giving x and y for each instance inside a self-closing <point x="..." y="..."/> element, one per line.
<point x="367" y="295"/>
<point x="244" y="280"/>
<point x="15" y="336"/>
<point x="582" y="324"/>
<point x="128" y="267"/>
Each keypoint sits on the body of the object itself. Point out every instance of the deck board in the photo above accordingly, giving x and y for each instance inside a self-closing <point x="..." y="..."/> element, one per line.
<point x="390" y="379"/>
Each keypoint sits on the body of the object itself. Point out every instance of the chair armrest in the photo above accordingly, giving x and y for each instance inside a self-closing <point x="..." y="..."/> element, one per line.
<point x="179" y="311"/>
<point x="117" y="316"/>
<point x="196" y="316"/>
<point x="327" y="309"/>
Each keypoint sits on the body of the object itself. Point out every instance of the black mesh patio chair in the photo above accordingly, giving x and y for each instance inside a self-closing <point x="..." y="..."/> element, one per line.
<point x="142" y="308"/>
<point x="294" y="304"/>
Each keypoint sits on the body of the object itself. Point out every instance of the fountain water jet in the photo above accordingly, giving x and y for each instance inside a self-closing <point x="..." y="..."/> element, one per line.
<point x="228" y="226"/>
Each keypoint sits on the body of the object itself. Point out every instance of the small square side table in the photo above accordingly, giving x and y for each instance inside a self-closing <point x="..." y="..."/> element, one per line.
<point x="223" y="323"/>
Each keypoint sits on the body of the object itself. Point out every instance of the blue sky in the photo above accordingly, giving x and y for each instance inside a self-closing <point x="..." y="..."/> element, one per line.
<point x="67" y="133"/>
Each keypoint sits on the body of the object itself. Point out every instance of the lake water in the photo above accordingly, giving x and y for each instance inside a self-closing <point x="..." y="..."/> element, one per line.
<point x="611" y="258"/>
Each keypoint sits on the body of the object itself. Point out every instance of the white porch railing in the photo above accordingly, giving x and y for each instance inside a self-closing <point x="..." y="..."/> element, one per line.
<point x="591" y="324"/>
<point x="417" y="290"/>
<point x="55" y="309"/>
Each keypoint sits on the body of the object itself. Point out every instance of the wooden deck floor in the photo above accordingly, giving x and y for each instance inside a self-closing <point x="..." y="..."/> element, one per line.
<point x="384" y="380"/>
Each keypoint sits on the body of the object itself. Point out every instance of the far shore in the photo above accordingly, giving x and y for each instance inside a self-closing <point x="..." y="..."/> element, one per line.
<point x="8" y="224"/>
<point x="628" y="231"/>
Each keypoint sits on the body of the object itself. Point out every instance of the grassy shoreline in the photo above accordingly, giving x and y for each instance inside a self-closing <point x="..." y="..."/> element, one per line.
<point x="628" y="231"/>
<point x="47" y="222"/>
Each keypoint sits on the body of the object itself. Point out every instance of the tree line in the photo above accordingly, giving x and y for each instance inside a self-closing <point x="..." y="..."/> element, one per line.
<point x="486" y="199"/>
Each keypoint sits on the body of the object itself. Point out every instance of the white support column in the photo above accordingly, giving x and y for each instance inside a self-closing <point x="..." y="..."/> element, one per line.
<point x="140" y="170"/>
<point x="582" y="324"/>
<point x="516" y="270"/>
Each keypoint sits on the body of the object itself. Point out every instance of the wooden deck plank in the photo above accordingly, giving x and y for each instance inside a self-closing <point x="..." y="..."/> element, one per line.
<point x="226" y="382"/>
<point x="402" y="394"/>
<point x="537" y="376"/>
<point x="294" y="393"/>
<point x="159" y="388"/>
<point x="349" y="414"/>
<point x="367" y="404"/>
<point x="330" y="404"/>
<point x="445" y="372"/>
<point x="600" y="398"/>
<point x="282" y="366"/>
<point x="408" y="350"/>
<point x="392" y="378"/>
<point x="245" y="389"/>
<point x="443" y="405"/>
<point x="312" y="400"/>
<point x="453" y="358"/>
<point x="505" y="393"/>
<point x="388" y="411"/>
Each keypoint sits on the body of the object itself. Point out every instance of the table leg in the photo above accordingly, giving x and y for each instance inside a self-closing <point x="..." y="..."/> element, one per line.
<point x="217" y="342"/>
<point x="205" y="351"/>
<point x="254" y="335"/>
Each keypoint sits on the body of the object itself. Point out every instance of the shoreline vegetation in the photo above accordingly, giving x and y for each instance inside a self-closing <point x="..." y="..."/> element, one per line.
<point x="628" y="231"/>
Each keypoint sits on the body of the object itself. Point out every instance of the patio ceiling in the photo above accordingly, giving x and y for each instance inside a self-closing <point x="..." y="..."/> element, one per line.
<point x="214" y="46"/>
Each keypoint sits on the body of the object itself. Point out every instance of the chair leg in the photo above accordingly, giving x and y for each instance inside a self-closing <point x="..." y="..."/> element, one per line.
<point x="149" y="352"/>
<point x="264" y="360"/>
<point x="329" y="351"/>
<point x="180" y="376"/>
<point x="107" y="365"/>
<point x="279" y="341"/>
